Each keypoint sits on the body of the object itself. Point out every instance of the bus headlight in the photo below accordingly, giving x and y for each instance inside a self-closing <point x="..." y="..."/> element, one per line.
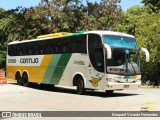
<point x="112" y="80"/>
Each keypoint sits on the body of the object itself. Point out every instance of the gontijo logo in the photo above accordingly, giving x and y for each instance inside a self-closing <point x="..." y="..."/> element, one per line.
<point x="29" y="60"/>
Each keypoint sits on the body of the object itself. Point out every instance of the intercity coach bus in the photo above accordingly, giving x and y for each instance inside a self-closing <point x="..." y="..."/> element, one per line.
<point x="92" y="60"/>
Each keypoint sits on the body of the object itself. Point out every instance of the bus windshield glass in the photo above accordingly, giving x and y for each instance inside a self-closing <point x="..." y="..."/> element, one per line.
<point x="125" y="55"/>
<point x="120" y="41"/>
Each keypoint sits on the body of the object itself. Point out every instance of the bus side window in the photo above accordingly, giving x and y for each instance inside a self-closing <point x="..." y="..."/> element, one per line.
<point x="15" y="49"/>
<point x="48" y="50"/>
<point x="40" y="50"/>
<point x="19" y="51"/>
<point x="36" y="50"/>
<point x="82" y="44"/>
<point x="32" y="49"/>
<point x="73" y="46"/>
<point x="10" y="50"/>
<point x="74" y="43"/>
<point x="53" y="47"/>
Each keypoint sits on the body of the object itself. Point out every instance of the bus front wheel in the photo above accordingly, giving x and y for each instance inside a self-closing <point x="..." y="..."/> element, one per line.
<point x="25" y="80"/>
<point x="109" y="92"/>
<point x="80" y="86"/>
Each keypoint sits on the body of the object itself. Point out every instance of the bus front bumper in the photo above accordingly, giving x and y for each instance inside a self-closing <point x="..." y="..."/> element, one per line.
<point x="122" y="86"/>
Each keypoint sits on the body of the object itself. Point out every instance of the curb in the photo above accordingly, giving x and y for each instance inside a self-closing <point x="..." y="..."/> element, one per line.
<point x="145" y="86"/>
<point x="11" y="81"/>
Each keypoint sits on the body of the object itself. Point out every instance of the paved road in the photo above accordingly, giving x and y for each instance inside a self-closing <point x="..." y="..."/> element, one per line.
<point x="39" y="98"/>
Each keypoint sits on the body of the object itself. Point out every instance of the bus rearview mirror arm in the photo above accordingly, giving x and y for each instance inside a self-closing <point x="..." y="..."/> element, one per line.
<point x="109" y="51"/>
<point x="146" y="52"/>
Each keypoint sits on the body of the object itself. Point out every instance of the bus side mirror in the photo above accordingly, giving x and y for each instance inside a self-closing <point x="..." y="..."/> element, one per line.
<point x="146" y="52"/>
<point x="109" y="51"/>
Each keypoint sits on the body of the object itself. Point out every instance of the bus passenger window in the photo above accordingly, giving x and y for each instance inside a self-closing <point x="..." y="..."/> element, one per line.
<point x="48" y="50"/>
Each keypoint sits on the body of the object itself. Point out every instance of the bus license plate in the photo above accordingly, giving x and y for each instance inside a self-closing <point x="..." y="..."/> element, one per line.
<point x="126" y="86"/>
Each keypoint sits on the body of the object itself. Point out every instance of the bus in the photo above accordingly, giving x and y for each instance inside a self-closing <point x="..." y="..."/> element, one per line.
<point x="91" y="60"/>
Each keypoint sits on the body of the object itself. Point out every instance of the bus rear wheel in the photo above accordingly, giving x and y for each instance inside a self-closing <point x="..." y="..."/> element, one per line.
<point x="80" y="86"/>
<point x="25" y="80"/>
<point x="19" y="79"/>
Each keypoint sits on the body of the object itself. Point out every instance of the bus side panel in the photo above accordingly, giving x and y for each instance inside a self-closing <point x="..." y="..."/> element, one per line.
<point x="56" y="68"/>
<point x="77" y="64"/>
<point x="30" y="70"/>
<point x="10" y="72"/>
<point x="35" y="71"/>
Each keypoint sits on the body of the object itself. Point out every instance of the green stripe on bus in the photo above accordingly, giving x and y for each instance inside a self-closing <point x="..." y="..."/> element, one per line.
<point x="58" y="72"/>
<point x="51" y="68"/>
<point x="74" y="34"/>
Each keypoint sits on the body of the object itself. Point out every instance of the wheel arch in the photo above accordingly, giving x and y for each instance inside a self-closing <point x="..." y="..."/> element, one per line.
<point x="26" y="72"/>
<point x="76" y="75"/>
<point x="18" y="72"/>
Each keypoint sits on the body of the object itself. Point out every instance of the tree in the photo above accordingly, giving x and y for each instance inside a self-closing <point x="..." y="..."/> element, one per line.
<point x="155" y="3"/>
<point x="16" y="25"/>
<point x="128" y="23"/>
<point x="5" y="34"/>
<point x="60" y="15"/>
<point x="72" y="15"/>
<point x="103" y="16"/>
<point x="147" y="33"/>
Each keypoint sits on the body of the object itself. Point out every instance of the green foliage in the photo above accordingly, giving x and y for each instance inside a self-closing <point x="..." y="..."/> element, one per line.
<point x="129" y="21"/>
<point x="102" y="16"/>
<point x="2" y="59"/>
<point x="155" y="3"/>
<point x="147" y="33"/>
<point x="73" y="16"/>
<point x="15" y="25"/>
<point x="5" y="34"/>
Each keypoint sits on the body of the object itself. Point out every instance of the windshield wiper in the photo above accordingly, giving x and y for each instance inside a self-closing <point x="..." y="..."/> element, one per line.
<point x="133" y="67"/>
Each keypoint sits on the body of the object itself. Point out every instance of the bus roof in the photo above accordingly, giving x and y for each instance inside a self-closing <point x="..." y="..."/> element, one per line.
<point x="49" y="36"/>
<point x="29" y="40"/>
<point x="100" y="32"/>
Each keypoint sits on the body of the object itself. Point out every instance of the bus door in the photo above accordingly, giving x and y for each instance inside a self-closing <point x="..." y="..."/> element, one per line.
<point x="95" y="70"/>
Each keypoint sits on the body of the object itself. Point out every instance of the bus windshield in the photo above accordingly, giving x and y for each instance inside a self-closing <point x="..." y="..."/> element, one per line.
<point x="125" y="55"/>
<point x="120" y="41"/>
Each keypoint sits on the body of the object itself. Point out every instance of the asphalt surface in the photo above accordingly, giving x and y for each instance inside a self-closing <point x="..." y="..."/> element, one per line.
<point x="46" y="98"/>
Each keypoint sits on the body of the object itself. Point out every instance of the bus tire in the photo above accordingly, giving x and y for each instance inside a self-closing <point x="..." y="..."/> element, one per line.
<point x="109" y="92"/>
<point x="25" y="80"/>
<point x="80" y="86"/>
<point x="18" y="78"/>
